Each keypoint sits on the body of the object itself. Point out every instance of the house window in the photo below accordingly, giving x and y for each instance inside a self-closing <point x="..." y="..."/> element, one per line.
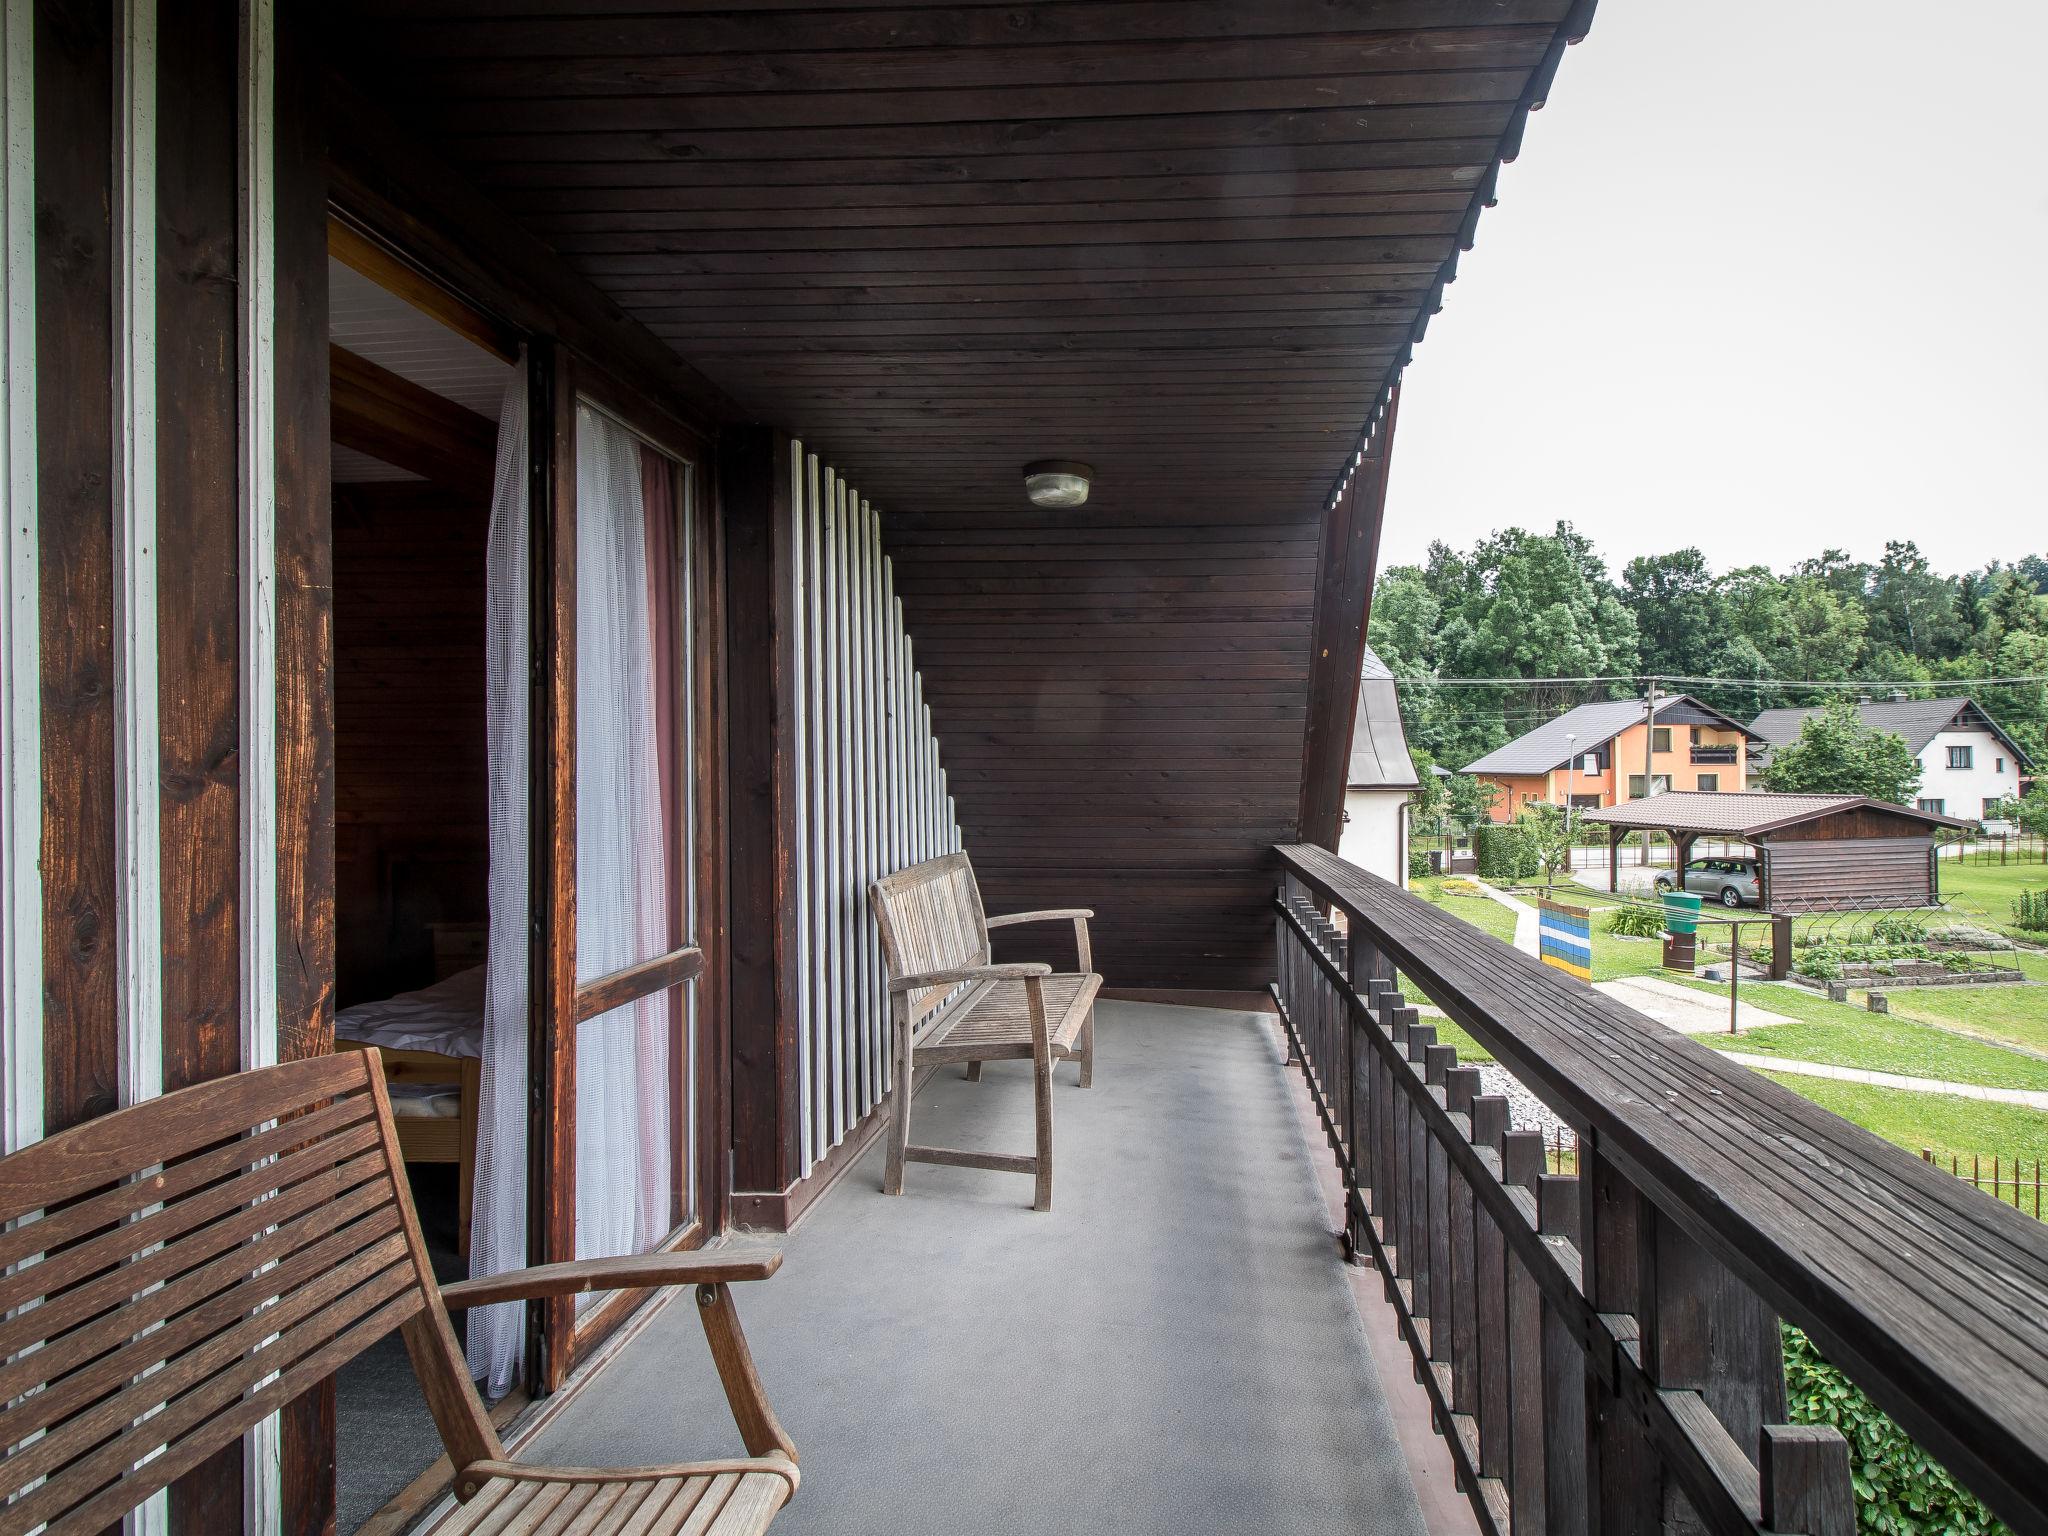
<point x="1959" y="757"/>
<point x="1586" y="802"/>
<point x="1635" y="785"/>
<point x="1695" y="737"/>
<point x="1709" y="781"/>
<point x="1660" y="739"/>
<point x="2001" y="765"/>
<point x="1590" y="763"/>
<point x="1991" y="805"/>
<point x="1938" y="807"/>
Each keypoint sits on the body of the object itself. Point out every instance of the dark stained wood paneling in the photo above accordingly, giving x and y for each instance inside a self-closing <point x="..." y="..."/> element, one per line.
<point x="198" y="596"/>
<point x="412" y="788"/>
<point x="74" y="343"/>
<point x="1190" y="244"/>
<point x="760" y="652"/>
<point x="305" y="662"/>
<point x="1351" y="540"/>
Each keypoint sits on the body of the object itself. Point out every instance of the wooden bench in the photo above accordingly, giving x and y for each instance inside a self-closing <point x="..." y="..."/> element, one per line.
<point x="174" y="1272"/>
<point x="949" y="1003"/>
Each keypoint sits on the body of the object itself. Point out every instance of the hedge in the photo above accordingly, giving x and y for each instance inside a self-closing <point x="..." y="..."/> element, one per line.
<point x="1900" y="1489"/>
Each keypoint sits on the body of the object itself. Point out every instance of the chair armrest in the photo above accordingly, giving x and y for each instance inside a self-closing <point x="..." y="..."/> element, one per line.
<point x="1027" y="971"/>
<point x="630" y="1272"/>
<point x="1049" y="915"/>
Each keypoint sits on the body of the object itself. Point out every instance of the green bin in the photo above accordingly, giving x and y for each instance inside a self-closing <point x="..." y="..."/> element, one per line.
<point x="1681" y="912"/>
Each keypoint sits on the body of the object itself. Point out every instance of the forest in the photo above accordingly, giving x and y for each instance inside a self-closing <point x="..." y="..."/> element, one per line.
<point x="1545" y="605"/>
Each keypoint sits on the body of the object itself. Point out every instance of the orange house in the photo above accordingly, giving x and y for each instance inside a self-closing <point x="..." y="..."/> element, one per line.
<point x="1592" y="757"/>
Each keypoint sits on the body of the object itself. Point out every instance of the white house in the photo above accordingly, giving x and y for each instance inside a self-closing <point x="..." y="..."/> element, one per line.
<point x="1967" y="764"/>
<point x="1381" y="778"/>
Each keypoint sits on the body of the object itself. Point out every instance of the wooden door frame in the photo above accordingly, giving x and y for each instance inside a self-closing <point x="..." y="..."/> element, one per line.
<point x="557" y="379"/>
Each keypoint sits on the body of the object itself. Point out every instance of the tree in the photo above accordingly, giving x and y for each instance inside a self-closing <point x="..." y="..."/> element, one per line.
<point x="1547" y="836"/>
<point x="1471" y="799"/>
<point x="1678" y="611"/>
<point x="2029" y="814"/>
<point x="1837" y="754"/>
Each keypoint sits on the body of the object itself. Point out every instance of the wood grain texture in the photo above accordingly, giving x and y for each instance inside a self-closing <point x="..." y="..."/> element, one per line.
<point x="306" y="786"/>
<point x="1872" y="1263"/>
<point x="75" y="518"/>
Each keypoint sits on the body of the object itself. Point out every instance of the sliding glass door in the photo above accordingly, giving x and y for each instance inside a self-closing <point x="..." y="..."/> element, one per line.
<point x="622" y="597"/>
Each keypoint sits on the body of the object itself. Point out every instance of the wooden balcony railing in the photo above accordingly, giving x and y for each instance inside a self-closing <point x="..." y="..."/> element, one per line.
<point x="1708" y="756"/>
<point x="1602" y="1348"/>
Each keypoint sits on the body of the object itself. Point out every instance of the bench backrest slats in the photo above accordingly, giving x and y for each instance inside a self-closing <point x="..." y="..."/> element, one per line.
<point x="178" y="1270"/>
<point x="931" y="919"/>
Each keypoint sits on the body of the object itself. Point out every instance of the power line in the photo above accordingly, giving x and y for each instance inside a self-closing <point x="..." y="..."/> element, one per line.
<point x="1867" y="685"/>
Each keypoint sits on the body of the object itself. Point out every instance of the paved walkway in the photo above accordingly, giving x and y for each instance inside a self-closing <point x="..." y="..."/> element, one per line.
<point x="2031" y="1098"/>
<point x="1172" y="1350"/>
<point x="1527" y="939"/>
<point x="1686" y="1009"/>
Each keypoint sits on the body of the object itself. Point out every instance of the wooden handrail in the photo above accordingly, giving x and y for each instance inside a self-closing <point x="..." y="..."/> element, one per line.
<point x="1690" y="1166"/>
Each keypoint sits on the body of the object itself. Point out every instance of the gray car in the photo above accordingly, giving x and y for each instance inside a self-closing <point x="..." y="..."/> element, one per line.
<point x="1732" y="882"/>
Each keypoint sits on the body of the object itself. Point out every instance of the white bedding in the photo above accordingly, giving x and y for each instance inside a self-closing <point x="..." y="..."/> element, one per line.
<point x="447" y="1017"/>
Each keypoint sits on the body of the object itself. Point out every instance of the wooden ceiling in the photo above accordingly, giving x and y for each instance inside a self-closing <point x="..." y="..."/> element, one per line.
<point x="1189" y="243"/>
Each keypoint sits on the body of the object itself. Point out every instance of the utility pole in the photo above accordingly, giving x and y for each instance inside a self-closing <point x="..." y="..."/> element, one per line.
<point x="1649" y="741"/>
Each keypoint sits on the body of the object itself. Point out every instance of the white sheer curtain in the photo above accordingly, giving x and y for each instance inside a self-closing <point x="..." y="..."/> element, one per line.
<point x="622" y="1057"/>
<point x="497" y="1236"/>
<point x="623" y="1176"/>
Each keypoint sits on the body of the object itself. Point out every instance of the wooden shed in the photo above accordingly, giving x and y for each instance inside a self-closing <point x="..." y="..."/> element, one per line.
<point x="1815" y="852"/>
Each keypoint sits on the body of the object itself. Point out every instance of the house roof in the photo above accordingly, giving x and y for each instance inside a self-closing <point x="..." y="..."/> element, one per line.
<point x="1546" y="747"/>
<point x="1746" y="813"/>
<point x="1918" y="720"/>
<point x="1379" y="747"/>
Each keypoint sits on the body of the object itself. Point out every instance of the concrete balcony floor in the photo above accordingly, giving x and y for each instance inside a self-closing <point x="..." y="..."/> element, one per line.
<point x="1173" y="1348"/>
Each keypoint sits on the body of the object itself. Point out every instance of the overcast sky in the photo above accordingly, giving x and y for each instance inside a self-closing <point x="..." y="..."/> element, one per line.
<point x="1769" y="276"/>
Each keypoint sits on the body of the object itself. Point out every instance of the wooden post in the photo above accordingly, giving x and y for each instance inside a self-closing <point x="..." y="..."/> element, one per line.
<point x="1614" y="837"/>
<point x="1804" y="1471"/>
<point x="754" y="491"/>
<point x="1702" y="1330"/>
<point x="1621" y="1474"/>
<point x="1781" y="946"/>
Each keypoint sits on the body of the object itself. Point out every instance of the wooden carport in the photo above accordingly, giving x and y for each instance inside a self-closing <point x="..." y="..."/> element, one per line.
<point x="1815" y="853"/>
<point x="1188" y="244"/>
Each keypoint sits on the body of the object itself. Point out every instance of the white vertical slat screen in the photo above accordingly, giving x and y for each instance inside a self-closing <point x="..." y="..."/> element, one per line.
<point x="871" y="795"/>
<point x="21" y="747"/>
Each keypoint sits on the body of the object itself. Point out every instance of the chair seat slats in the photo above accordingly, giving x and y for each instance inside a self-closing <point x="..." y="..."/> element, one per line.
<point x="719" y="1504"/>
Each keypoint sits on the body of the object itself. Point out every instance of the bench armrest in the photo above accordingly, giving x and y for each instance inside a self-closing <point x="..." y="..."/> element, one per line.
<point x="1079" y="915"/>
<point x="631" y="1272"/>
<point x="1028" y="971"/>
<point x="709" y="1272"/>
<point x="1049" y="915"/>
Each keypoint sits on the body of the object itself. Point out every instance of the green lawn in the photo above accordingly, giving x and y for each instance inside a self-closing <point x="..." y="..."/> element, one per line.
<point x="1478" y="910"/>
<point x="1847" y="1035"/>
<point x="1950" y="1127"/>
<point x="1983" y="893"/>
<point x="2018" y="1015"/>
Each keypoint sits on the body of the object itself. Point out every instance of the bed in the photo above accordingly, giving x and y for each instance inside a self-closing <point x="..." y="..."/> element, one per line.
<point x="432" y="1044"/>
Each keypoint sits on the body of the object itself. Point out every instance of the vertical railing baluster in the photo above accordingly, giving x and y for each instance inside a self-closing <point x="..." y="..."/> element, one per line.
<point x="1437" y="1061"/>
<point x="1567" y="1471"/>
<point x="1521" y="1163"/>
<point x="1490" y="1301"/>
<point x="1461" y="1090"/>
<point x="1621" y="1476"/>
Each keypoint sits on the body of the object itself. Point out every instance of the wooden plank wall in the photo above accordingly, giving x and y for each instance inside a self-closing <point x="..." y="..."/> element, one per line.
<point x="157" y="517"/>
<point x="1123" y="693"/>
<point x="410" y="733"/>
<point x="871" y="794"/>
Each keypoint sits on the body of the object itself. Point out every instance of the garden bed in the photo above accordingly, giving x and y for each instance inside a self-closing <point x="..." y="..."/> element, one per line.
<point x="1909" y="973"/>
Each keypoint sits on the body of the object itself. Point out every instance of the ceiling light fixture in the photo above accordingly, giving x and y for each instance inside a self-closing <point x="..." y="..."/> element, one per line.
<point x="1057" y="482"/>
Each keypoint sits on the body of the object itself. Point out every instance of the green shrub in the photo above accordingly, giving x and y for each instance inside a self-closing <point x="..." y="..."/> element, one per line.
<point x="1900" y="1489"/>
<point x="2031" y="911"/>
<point x="1418" y="863"/>
<point x="1636" y="922"/>
<point x="1899" y="929"/>
<point x="1496" y="851"/>
<point x="1819" y="963"/>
